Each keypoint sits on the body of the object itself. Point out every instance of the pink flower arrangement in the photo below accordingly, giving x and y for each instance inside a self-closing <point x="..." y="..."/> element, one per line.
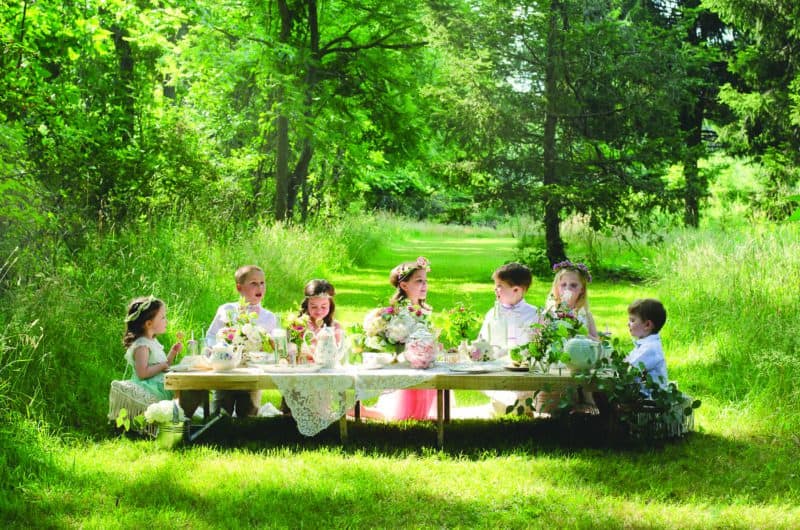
<point x="420" y="353"/>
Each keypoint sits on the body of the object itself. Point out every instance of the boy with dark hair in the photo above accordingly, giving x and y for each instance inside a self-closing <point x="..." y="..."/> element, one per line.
<point x="508" y="323"/>
<point x="646" y="317"/>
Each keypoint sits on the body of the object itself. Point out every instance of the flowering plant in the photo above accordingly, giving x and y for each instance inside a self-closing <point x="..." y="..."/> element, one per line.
<point x="459" y="324"/>
<point x="548" y="334"/>
<point x="165" y="411"/>
<point x="242" y="330"/>
<point x="296" y="327"/>
<point x="387" y="327"/>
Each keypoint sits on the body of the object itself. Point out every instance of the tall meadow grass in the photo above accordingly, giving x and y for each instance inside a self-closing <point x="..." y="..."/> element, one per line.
<point x="61" y="344"/>
<point x="733" y="304"/>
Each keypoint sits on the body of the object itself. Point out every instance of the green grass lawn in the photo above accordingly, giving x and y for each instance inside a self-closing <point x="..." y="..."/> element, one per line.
<point x="508" y="473"/>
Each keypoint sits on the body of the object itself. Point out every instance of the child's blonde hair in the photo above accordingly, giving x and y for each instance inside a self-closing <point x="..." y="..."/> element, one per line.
<point x="584" y="276"/>
<point x="243" y="272"/>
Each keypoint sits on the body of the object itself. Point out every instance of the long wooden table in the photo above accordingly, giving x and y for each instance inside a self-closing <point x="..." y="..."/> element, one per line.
<point x="442" y="381"/>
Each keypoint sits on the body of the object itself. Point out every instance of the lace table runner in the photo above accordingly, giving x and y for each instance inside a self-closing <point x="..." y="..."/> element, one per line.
<point x="316" y="400"/>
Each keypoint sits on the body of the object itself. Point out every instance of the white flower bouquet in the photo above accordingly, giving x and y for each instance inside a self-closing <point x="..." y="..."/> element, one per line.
<point x="165" y="411"/>
<point x="241" y="331"/>
<point x="388" y="328"/>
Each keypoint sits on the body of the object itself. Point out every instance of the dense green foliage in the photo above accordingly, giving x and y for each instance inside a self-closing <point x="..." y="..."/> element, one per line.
<point x="448" y="109"/>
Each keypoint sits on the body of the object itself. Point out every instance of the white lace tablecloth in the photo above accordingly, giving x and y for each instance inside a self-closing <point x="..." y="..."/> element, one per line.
<point x="316" y="400"/>
<point x="371" y="383"/>
<point x="319" y="399"/>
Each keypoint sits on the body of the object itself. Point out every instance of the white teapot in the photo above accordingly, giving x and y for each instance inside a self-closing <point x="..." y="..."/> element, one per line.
<point x="327" y="351"/>
<point x="223" y="357"/>
<point x="583" y="353"/>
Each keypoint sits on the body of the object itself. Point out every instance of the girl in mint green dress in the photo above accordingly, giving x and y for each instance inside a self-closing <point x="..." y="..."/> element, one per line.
<point x="147" y="317"/>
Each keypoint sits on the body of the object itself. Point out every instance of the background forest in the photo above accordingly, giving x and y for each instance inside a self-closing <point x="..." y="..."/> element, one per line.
<point x="154" y="146"/>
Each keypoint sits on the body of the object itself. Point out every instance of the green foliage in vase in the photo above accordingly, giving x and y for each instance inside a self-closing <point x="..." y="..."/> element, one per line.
<point x="458" y="323"/>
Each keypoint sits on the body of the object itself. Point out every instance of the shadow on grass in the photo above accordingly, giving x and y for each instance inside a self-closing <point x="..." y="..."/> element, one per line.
<point x="470" y="438"/>
<point x="704" y="465"/>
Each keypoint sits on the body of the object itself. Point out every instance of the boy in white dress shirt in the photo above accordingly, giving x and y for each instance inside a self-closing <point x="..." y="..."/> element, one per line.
<point x="251" y="285"/>
<point x="646" y="317"/>
<point x="511" y="282"/>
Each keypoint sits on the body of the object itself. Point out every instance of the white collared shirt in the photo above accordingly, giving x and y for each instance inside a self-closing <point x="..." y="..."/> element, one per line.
<point x="518" y="317"/>
<point x="647" y="351"/>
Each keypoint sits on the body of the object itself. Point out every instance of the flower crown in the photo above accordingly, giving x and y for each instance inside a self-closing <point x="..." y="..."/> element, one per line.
<point x="143" y="306"/>
<point x="580" y="268"/>
<point x="408" y="269"/>
<point x="320" y="295"/>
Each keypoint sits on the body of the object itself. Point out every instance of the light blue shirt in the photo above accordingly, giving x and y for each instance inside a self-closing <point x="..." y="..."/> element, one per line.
<point x="648" y="352"/>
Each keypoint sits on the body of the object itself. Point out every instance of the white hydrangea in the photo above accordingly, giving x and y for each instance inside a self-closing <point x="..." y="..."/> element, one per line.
<point x="165" y="411"/>
<point x="374" y="323"/>
<point x="400" y="328"/>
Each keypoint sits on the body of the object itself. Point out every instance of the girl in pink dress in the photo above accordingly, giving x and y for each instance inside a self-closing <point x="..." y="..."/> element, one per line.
<point x="411" y="281"/>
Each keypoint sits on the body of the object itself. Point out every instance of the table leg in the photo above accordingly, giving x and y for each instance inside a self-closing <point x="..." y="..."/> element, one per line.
<point x="343" y="429"/>
<point x="447" y="406"/>
<point x="343" y="423"/>
<point x="440" y="418"/>
<point x="357" y="411"/>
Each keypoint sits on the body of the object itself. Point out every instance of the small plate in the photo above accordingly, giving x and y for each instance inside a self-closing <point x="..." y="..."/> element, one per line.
<point x="512" y="368"/>
<point x="181" y="368"/>
<point x="188" y="368"/>
<point x="470" y="369"/>
<point x="257" y="364"/>
<point x="286" y="369"/>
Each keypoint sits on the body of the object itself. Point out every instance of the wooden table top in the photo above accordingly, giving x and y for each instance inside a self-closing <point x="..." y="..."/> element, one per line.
<point x="442" y="378"/>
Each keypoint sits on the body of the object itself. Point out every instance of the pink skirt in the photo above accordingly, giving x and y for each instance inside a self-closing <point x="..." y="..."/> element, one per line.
<point x="408" y="405"/>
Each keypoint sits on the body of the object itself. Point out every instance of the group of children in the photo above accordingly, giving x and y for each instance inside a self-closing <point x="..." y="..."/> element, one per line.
<point x="646" y="317"/>
<point x="146" y="318"/>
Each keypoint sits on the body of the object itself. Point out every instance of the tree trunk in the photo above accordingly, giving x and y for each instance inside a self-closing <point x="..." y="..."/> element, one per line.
<point x="282" y="168"/>
<point x="552" y="208"/>
<point x="692" y="124"/>
<point x="300" y="173"/>
<point x="282" y="211"/>
<point x="694" y="183"/>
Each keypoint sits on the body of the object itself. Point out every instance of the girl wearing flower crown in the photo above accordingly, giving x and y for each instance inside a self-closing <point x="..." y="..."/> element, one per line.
<point x="569" y="291"/>
<point x="318" y="308"/>
<point x="411" y="281"/>
<point x="147" y="317"/>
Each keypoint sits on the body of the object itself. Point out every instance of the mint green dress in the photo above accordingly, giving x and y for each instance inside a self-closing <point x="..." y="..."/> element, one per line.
<point x="155" y="384"/>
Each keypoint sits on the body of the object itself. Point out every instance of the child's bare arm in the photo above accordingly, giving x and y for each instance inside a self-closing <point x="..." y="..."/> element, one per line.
<point x="143" y="370"/>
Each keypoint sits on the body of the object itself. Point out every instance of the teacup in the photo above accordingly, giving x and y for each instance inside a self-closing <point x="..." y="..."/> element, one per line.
<point x="481" y="350"/>
<point x="372" y="358"/>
